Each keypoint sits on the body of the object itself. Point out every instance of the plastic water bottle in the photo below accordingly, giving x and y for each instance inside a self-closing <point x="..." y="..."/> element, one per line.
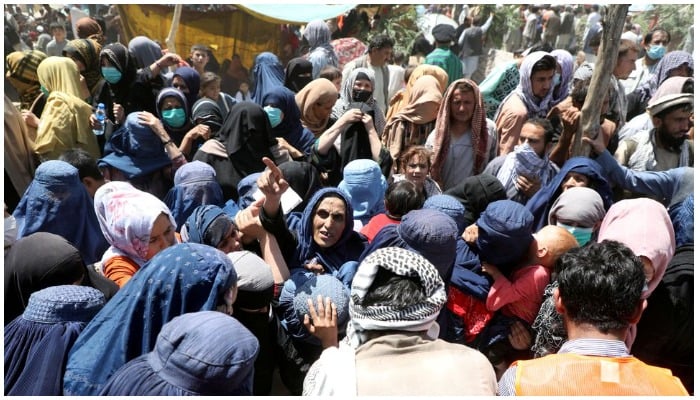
<point x="100" y="115"/>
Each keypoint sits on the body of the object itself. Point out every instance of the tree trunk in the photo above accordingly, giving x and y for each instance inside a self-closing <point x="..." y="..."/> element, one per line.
<point x="589" y="125"/>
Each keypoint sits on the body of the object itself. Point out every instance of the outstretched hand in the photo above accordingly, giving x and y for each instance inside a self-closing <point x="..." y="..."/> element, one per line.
<point x="272" y="184"/>
<point x="322" y="321"/>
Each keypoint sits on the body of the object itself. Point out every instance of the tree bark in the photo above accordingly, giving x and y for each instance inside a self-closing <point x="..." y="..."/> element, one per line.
<point x="589" y="125"/>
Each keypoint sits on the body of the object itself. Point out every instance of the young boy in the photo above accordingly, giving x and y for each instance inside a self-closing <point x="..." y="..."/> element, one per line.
<point x="55" y="46"/>
<point x="199" y="54"/>
<point x="210" y="87"/>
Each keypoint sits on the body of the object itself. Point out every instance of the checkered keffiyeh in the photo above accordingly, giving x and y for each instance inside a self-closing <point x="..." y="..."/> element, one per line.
<point x="419" y="317"/>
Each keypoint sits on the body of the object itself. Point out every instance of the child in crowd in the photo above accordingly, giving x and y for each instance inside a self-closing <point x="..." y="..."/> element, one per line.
<point x="244" y="92"/>
<point x="400" y="198"/>
<point x="210" y="87"/>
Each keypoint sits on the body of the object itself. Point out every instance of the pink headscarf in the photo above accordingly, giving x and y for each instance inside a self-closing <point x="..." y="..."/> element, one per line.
<point x="126" y="216"/>
<point x="645" y="227"/>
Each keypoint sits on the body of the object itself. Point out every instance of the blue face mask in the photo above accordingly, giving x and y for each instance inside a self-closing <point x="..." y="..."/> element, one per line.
<point x="656" y="51"/>
<point x="111" y="74"/>
<point x="556" y="80"/>
<point x="174" y="117"/>
<point x="44" y="90"/>
<point x="582" y="235"/>
<point x="274" y="114"/>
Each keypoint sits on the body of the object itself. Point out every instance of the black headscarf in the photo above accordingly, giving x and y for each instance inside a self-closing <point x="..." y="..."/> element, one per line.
<point x="296" y="67"/>
<point x="303" y="178"/>
<point x="247" y="136"/>
<point x="41" y="260"/>
<point x="476" y="193"/>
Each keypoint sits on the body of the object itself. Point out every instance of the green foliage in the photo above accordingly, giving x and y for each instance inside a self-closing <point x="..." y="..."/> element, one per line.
<point x="399" y="22"/>
<point x="675" y="18"/>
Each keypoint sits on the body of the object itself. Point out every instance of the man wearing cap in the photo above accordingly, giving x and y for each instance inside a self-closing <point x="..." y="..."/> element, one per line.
<point x="442" y="56"/>
<point x="666" y="145"/>
<point x="599" y="296"/>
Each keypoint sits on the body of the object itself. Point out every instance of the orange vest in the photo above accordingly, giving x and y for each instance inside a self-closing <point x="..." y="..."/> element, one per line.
<point x="573" y="374"/>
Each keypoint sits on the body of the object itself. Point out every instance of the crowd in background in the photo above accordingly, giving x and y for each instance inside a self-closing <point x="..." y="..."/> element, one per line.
<point x="345" y="219"/>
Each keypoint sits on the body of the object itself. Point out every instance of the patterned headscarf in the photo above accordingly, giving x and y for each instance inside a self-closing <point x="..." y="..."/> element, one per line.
<point x="88" y="52"/>
<point x="442" y="131"/>
<point x="22" y="66"/>
<point x="57" y="202"/>
<point x="419" y="317"/>
<point x="566" y="62"/>
<point x="126" y="216"/>
<point x="317" y="91"/>
<point x="195" y="185"/>
<point x="535" y="107"/>
<point x="669" y="62"/>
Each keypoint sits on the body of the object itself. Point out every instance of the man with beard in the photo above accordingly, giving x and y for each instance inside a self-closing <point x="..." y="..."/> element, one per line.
<point x="666" y="145"/>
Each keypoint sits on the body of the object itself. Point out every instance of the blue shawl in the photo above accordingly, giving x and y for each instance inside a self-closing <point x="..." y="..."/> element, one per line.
<point x="348" y="248"/>
<point x="186" y="277"/>
<point x="268" y="73"/>
<point x="540" y="204"/>
<point x="57" y="202"/>
<point x="195" y="185"/>
<point x="290" y="128"/>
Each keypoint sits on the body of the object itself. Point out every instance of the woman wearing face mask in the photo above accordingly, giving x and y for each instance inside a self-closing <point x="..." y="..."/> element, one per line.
<point x="357" y="93"/>
<point x="285" y="120"/>
<point x="354" y="133"/>
<point x="128" y="88"/>
<point x="580" y="211"/>
<point x="576" y="171"/>
<point x="21" y="74"/>
<point x="236" y="151"/>
<point x="173" y="110"/>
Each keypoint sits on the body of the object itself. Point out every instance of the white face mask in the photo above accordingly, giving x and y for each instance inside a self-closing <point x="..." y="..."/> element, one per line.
<point x="10" y="231"/>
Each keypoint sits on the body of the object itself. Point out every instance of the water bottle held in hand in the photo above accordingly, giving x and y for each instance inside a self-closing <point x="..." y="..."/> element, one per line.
<point x="100" y="115"/>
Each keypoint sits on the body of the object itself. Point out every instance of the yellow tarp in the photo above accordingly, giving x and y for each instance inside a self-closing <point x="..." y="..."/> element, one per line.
<point x="227" y="32"/>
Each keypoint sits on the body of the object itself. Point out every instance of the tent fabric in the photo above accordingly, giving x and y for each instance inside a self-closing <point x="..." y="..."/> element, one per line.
<point x="295" y="13"/>
<point x="247" y="31"/>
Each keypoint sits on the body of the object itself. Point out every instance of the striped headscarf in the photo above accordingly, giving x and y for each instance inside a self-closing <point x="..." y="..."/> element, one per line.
<point x="86" y="51"/>
<point x="668" y="63"/>
<point x="22" y="66"/>
<point x="419" y="317"/>
<point x="442" y="131"/>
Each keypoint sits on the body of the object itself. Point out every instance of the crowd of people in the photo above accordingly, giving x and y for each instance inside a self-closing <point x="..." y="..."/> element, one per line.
<point x="379" y="224"/>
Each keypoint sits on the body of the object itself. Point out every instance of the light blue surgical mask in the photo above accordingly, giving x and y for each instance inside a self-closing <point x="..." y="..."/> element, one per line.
<point x="582" y="235"/>
<point x="175" y="117"/>
<point x="111" y="74"/>
<point x="274" y="114"/>
<point x="556" y="80"/>
<point x="44" y="90"/>
<point x="656" y="51"/>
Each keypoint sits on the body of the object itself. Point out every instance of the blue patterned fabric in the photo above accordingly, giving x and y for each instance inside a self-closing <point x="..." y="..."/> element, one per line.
<point x="186" y="277"/>
<point x="57" y="202"/>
